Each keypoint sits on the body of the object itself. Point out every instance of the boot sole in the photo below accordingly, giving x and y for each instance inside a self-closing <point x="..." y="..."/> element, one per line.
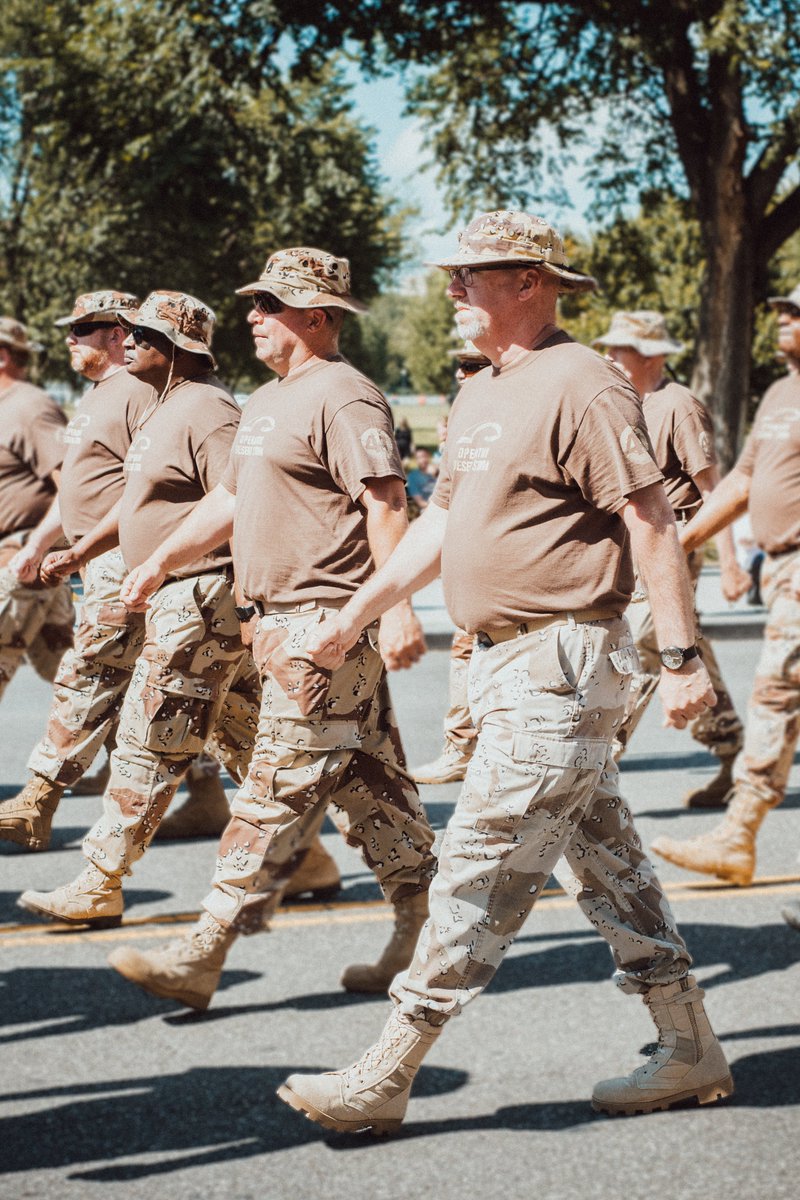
<point x="705" y="1095"/>
<point x="188" y="999"/>
<point x="377" y="1128"/>
<point x="736" y="878"/>
<point x="28" y="843"/>
<point x="319" y="893"/>
<point x="89" y="922"/>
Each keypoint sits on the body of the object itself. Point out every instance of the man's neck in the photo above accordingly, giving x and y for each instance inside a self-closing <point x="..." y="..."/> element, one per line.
<point x="113" y="368"/>
<point x="511" y="348"/>
<point x="9" y="378"/>
<point x="306" y="358"/>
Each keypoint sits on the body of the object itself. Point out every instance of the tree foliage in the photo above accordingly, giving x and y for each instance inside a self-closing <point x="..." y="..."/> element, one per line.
<point x="148" y="144"/>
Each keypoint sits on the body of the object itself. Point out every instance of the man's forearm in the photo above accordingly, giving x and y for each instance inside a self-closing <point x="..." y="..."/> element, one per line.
<point x="103" y="537"/>
<point x="662" y="565"/>
<point x="48" y="531"/>
<point x="724" y="505"/>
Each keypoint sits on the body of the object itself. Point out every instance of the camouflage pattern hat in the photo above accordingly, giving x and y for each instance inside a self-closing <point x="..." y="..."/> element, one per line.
<point x="469" y="353"/>
<point x="644" y="331"/>
<point x="519" y="239"/>
<point x="303" y="277"/>
<point x="187" y="322"/>
<point x="99" y="306"/>
<point x="14" y="334"/>
<point x="790" y="301"/>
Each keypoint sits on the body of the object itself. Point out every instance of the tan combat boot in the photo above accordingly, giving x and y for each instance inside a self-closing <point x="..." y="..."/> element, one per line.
<point x="93" y="899"/>
<point x="449" y="767"/>
<point x="715" y="793"/>
<point x="316" y="877"/>
<point x="186" y="970"/>
<point x="728" y="851"/>
<point x="27" y="819"/>
<point x="204" y="813"/>
<point x="688" y="1063"/>
<point x="410" y="914"/>
<point x="373" y="1093"/>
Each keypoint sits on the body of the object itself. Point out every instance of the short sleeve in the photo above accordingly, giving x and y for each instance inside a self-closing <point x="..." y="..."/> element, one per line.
<point x="611" y="456"/>
<point x="360" y="445"/>
<point x="747" y="459"/>
<point x="693" y="441"/>
<point x="441" y="493"/>
<point x="213" y="457"/>
<point x="42" y="447"/>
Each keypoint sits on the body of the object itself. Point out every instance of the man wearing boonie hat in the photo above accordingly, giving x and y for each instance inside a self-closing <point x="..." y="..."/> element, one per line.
<point x="765" y="483"/>
<point x="35" y="623"/>
<point x="547" y="478"/>
<point x="682" y="436"/>
<point x="316" y="443"/>
<point x="190" y="653"/>
<point x="94" y="674"/>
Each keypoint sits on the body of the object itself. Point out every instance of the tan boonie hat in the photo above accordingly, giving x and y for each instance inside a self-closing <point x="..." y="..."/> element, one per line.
<point x="14" y="334"/>
<point x="790" y="301"/>
<point x="99" y="306"/>
<point x="519" y="239"/>
<point x="644" y="331"/>
<point x="303" y="277"/>
<point x="187" y="322"/>
<point x="469" y="352"/>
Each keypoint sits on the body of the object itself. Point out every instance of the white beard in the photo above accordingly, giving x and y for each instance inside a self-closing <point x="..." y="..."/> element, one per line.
<point x="469" y="325"/>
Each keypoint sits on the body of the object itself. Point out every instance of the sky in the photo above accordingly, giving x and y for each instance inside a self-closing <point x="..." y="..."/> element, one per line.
<point x="411" y="178"/>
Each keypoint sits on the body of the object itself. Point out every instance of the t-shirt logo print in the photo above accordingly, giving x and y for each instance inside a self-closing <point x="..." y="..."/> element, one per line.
<point x="378" y="444"/>
<point x="250" y="438"/>
<point x="633" y="445"/>
<point x="136" y="452"/>
<point x="706" y="444"/>
<point x="74" y="431"/>
<point x="473" y="447"/>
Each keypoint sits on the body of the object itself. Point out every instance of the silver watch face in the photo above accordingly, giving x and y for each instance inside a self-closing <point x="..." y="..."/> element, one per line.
<point x="672" y="657"/>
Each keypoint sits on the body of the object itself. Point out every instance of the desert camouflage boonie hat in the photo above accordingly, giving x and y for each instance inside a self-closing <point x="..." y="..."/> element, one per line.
<point x="15" y="335"/>
<point x="99" y="306"/>
<point x="470" y="353"/>
<point x="644" y="331"/>
<point x="790" y="301"/>
<point x="519" y="239"/>
<point x="303" y="277"/>
<point x="187" y="322"/>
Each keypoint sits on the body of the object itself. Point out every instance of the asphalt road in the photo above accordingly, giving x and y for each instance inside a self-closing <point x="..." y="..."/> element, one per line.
<point x="105" y="1092"/>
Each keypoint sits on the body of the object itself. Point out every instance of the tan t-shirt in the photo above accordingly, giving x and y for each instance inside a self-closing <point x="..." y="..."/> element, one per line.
<point x="177" y="455"/>
<point x="97" y="440"/>
<point x="771" y="455"/>
<point x="31" y="448"/>
<point x="304" y="449"/>
<point x="539" y="458"/>
<point x="682" y="434"/>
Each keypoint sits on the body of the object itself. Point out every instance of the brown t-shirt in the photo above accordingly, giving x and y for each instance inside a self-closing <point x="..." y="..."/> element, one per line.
<point x="682" y="434"/>
<point x="304" y="449"/>
<point x="177" y="454"/>
<point x="31" y="448"/>
<point x="97" y="440"/>
<point x="539" y="458"/>
<point x="771" y="455"/>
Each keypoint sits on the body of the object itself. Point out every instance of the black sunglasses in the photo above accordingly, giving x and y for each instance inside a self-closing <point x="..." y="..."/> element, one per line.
<point x="85" y="328"/>
<point x="471" y="368"/>
<point x="141" y="335"/>
<point x="266" y="304"/>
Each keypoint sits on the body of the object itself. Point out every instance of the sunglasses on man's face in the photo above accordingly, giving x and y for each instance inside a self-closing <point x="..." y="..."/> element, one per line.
<point x="86" y="328"/>
<point x="267" y="305"/>
<point x="471" y="368"/>
<point x="466" y="275"/>
<point x="142" y="336"/>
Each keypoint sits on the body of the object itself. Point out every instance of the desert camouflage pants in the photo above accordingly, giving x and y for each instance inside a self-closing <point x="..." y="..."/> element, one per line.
<point x="35" y="623"/>
<point x="192" y="683"/>
<point x="458" y="727"/>
<point x="717" y="728"/>
<point x="326" y="740"/>
<point x="541" y="783"/>
<point x="773" y="713"/>
<point x="93" y="677"/>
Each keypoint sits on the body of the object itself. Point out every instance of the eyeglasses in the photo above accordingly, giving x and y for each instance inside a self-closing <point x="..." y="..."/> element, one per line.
<point x="466" y="275"/>
<point x="267" y="305"/>
<point x="85" y="328"/>
<point x="141" y="336"/>
<point x="471" y="368"/>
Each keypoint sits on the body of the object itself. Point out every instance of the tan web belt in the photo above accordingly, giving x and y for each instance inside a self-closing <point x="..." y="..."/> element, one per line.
<point x="578" y="616"/>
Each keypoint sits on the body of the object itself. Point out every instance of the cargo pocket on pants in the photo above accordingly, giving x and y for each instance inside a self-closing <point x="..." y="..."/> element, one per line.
<point x="177" y="712"/>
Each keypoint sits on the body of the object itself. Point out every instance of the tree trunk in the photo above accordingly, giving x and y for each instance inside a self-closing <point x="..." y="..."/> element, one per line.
<point x="721" y="374"/>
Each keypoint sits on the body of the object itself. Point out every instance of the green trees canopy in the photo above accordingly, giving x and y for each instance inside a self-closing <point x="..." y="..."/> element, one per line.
<point x="698" y="97"/>
<point x="149" y="144"/>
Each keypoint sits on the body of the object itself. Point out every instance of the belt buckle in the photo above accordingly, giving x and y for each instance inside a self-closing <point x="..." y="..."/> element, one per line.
<point x="245" y="612"/>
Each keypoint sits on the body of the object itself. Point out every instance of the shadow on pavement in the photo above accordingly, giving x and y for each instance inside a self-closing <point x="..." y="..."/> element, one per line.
<point x="204" y="1115"/>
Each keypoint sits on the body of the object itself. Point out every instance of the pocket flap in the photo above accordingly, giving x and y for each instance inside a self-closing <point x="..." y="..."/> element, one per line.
<point x="586" y="754"/>
<point x="175" y="683"/>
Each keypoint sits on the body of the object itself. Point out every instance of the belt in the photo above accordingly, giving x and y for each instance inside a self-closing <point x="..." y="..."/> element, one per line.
<point x="783" y="553"/>
<point x="577" y="617"/>
<point x="258" y="607"/>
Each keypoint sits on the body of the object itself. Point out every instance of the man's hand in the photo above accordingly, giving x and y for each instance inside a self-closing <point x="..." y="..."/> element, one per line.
<point x="686" y="693"/>
<point x="327" y="646"/>
<point x="138" y="587"/>
<point x="59" y="565"/>
<point x="400" y="640"/>
<point x="735" y="582"/>
<point x="26" y="562"/>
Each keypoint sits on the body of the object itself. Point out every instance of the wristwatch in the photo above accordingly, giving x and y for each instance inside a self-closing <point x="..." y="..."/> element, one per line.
<point x="673" y="657"/>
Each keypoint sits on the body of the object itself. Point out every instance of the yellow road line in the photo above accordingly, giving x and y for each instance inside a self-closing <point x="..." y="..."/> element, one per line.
<point x="349" y="913"/>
